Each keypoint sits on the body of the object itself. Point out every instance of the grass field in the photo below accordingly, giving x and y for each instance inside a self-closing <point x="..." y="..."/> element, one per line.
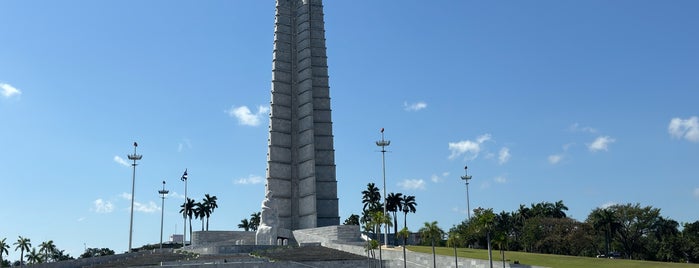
<point x="556" y="261"/>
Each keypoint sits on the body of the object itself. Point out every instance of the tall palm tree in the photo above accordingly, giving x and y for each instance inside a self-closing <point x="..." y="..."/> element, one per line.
<point x="211" y="205"/>
<point x="22" y="244"/>
<point x="408" y="204"/>
<point x="558" y="209"/>
<point x="606" y="220"/>
<point x="244" y="224"/>
<point x="201" y="211"/>
<point x="393" y="205"/>
<point x="255" y="220"/>
<point x="432" y="232"/>
<point x="3" y="249"/>
<point x="404" y="233"/>
<point x="371" y="198"/>
<point x="47" y="248"/>
<point x="34" y="256"/>
<point x="453" y="240"/>
<point x="188" y="211"/>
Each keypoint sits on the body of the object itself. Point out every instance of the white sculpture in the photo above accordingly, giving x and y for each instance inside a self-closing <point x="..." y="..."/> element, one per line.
<point x="267" y="232"/>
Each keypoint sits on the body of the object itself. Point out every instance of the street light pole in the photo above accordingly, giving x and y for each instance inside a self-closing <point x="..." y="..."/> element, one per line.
<point x="383" y="143"/>
<point x="133" y="157"/>
<point x="162" y="193"/>
<point x="468" y="203"/>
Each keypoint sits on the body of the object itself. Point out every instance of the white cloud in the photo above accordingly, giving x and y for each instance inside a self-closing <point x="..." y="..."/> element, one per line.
<point x="607" y="205"/>
<point x="176" y="195"/>
<point x="437" y="178"/>
<point x="185" y="143"/>
<point x="500" y="179"/>
<point x="146" y="208"/>
<point x="8" y="91"/>
<point x="600" y="144"/>
<point x="577" y="128"/>
<point x="126" y="196"/>
<point x="101" y="206"/>
<point x="412" y="184"/>
<point x="685" y="128"/>
<point x="121" y="161"/>
<point x="468" y="147"/>
<point x="504" y="155"/>
<point x="696" y="192"/>
<point x="414" y="106"/>
<point x="555" y="158"/>
<point x="246" y="117"/>
<point x="252" y="179"/>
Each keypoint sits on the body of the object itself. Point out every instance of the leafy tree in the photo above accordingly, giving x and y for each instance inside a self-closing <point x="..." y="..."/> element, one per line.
<point x="484" y="222"/>
<point x="452" y="241"/>
<point x="431" y="231"/>
<point x="244" y="224"/>
<point x="60" y="255"/>
<point x="34" y="256"/>
<point x="408" y="204"/>
<point x="47" y="249"/>
<point x="393" y="205"/>
<point x="96" y="252"/>
<point x="690" y="236"/>
<point x="3" y="250"/>
<point x="636" y="223"/>
<point x="23" y="244"/>
<point x="605" y="220"/>
<point x="188" y="211"/>
<point x="255" y="220"/>
<point x="352" y="220"/>
<point x="210" y="204"/>
<point x="378" y="219"/>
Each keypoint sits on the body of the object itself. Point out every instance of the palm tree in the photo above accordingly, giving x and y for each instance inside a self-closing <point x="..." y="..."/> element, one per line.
<point x="244" y="224"/>
<point x="3" y="249"/>
<point x="408" y="204"/>
<point x="485" y="222"/>
<point x="558" y="209"/>
<point x="188" y="211"/>
<point x="371" y="198"/>
<point x="453" y="240"/>
<point x="255" y="220"/>
<point x="432" y="231"/>
<point x="34" y="256"/>
<point x="404" y="233"/>
<point x="377" y="220"/>
<point x="210" y="203"/>
<point x="201" y="211"/>
<point x="47" y="248"/>
<point x="22" y="244"/>
<point x="393" y="205"/>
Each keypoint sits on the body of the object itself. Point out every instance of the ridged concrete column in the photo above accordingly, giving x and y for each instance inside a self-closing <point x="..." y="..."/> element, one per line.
<point x="301" y="156"/>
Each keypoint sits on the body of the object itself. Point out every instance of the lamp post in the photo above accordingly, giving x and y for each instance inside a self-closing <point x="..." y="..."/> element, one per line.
<point x="133" y="157"/>
<point x="383" y="143"/>
<point x="184" y="234"/>
<point x="467" y="178"/>
<point x="162" y="193"/>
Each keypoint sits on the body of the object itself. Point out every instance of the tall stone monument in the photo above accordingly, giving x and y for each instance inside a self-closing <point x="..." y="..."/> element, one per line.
<point x="301" y="155"/>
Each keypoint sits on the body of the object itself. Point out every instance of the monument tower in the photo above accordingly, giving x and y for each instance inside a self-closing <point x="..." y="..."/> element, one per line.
<point x="301" y="156"/>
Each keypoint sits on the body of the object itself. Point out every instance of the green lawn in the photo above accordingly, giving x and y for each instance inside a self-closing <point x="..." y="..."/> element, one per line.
<point x="557" y="261"/>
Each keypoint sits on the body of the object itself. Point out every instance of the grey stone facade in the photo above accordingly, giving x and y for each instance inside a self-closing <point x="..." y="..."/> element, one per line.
<point x="301" y="155"/>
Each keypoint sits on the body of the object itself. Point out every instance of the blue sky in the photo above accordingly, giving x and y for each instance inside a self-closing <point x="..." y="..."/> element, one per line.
<point x="589" y="102"/>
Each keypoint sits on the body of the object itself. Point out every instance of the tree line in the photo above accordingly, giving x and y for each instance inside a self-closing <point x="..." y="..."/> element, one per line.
<point x="623" y="230"/>
<point x="47" y="252"/>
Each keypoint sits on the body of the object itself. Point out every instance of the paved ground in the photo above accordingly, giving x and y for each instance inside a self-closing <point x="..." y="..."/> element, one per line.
<point x="309" y="253"/>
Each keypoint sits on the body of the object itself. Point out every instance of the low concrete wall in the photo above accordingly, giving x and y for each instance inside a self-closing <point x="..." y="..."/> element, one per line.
<point x="329" y="234"/>
<point x="201" y="238"/>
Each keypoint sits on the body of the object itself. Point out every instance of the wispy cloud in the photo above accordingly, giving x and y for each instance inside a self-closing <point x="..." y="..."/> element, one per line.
<point x="412" y="184"/>
<point x="504" y="155"/>
<point x="185" y="143"/>
<point x="145" y="208"/>
<point x="8" y="91"/>
<point x="412" y="107"/>
<point x="555" y="158"/>
<point x="576" y="127"/>
<point x="696" y="192"/>
<point x="600" y="144"/>
<point x="121" y="161"/>
<point x="437" y="178"/>
<point x="468" y="147"/>
<point x="101" y="206"/>
<point x="500" y="179"/>
<point x="684" y="128"/>
<point x="176" y="195"/>
<point x="246" y="117"/>
<point x="251" y="179"/>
